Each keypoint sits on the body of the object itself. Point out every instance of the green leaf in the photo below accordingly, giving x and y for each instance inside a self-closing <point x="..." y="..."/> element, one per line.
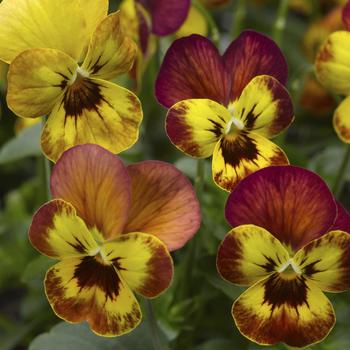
<point x="25" y="144"/>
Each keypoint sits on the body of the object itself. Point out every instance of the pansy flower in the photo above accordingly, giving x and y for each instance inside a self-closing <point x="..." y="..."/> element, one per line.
<point x="63" y="54"/>
<point x="333" y="71"/>
<point x="289" y="244"/>
<point x="111" y="227"/>
<point x="226" y="106"/>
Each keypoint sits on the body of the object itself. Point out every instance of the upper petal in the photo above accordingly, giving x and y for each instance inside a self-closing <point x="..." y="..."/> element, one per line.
<point x="163" y="203"/>
<point x="167" y="16"/>
<point x="37" y="78"/>
<point x="87" y="289"/>
<point x="346" y="15"/>
<point x="58" y="232"/>
<point x="110" y="51"/>
<point x="92" y="111"/>
<point x="237" y="156"/>
<point x="56" y="24"/>
<point x="332" y="63"/>
<point x="292" y="203"/>
<point x="97" y="184"/>
<point x="249" y="253"/>
<point x="192" y="68"/>
<point x="275" y="310"/>
<point x="194" y="126"/>
<point x="264" y="106"/>
<point x="326" y="261"/>
<point x="142" y="261"/>
<point x="342" y="222"/>
<point x="253" y="54"/>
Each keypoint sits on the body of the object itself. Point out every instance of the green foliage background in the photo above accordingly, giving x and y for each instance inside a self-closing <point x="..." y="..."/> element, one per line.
<point x="195" y="312"/>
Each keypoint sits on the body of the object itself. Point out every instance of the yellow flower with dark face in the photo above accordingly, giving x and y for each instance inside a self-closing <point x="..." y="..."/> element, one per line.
<point x="62" y="54"/>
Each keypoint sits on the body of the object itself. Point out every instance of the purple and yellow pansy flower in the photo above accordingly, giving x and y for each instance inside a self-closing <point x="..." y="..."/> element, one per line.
<point x="333" y="71"/>
<point x="62" y="54"/>
<point x="226" y="106"/>
<point x="111" y="228"/>
<point x="289" y="244"/>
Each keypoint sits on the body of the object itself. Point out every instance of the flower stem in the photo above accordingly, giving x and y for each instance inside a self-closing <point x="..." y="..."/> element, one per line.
<point x="198" y="181"/>
<point x="47" y="171"/>
<point x="157" y="344"/>
<point x="338" y="183"/>
<point x="214" y="31"/>
<point x="280" y="22"/>
<point x="238" y="18"/>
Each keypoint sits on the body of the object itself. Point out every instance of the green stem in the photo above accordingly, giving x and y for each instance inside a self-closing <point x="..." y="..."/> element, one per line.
<point x="198" y="181"/>
<point x="47" y="171"/>
<point x="214" y="31"/>
<point x="157" y="344"/>
<point x="338" y="183"/>
<point x="280" y="22"/>
<point x="238" y="18"/>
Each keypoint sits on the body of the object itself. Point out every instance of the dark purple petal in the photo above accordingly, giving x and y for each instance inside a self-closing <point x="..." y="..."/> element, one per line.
<point x="342" y="221"/>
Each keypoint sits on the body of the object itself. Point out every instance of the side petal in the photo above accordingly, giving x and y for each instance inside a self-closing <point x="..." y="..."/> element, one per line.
<point x="167" y="16"/>
<point x="342" y="221"/>
<point x="253" y="54"/>
<point x="37" y="78"/>
<point x="58" y="232"/>
<point x="87" y="290"/>
<point x="249" y="253"/>
<point x="332" y="63"/>
<point x="97" y="184"/>
<point x="192" y="68"/>
<point x="96" y="111"/>
<point x="195" y="23"/>
<point x="237" y="156"/>
<point x="292" y="203"/>
<point x="110" y="51"/>
<point x="29" y="24"/>
<point x="275" y="310"/>
<point x="326" y="261"/>
<point x="142" y="261"/>
<point x="264" y="106"/>
<point x="341" y="122"/>
<point x="163" y="203"/>
<point x="195" y="126"/>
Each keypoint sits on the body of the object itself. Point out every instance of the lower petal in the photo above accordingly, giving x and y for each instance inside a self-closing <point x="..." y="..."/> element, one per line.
<point x="85" y="289"/>
<point x="235" y="157"/>
<point x="341" y="120"/>
<point x="97" y="112"/>
<point x="295" y="312"/>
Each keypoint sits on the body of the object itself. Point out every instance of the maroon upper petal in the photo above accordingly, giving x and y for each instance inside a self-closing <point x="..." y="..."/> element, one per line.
<point x="342" y="221"/>
<point x="253" y="54"/>
<point x="346" y="15"/>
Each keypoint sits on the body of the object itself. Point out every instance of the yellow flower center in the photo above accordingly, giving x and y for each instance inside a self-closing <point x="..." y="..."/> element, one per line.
<point x="234" y="125"/>
<point x="79" y="75"/>
<point x="289" y="270"/>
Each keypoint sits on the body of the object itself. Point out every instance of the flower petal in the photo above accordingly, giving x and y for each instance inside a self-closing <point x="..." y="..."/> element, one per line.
<point x="29" y="24"/>
<point x="346" y="15"/>
<point x="97" y="111"/>
<point x="326" y="261"/>
<point x="195" y="23"/>
<point x="163" y="203"/>
<point x="142" y="261"/>
<point x="167" y="16"/>
<point x="237" y="156"/>
<point x="264" y="106"/>
<point x="249" y="253"/>
<point x="110" y="51"/>
<point x="195" y="126"/>
<point x="332" y="63"/>
<point x="253" y="54"/>
<point x="292" y="203"/>
<point x="86" y="289"/>
<point x="97" y="184"/>
<point x="342" y="221"/>
<point x="192" y="68"/>
<point x="58" y="232"/>
<point x="341" y="120"/>
<point x="37" y="79"/>
<point x="295" y="312"/>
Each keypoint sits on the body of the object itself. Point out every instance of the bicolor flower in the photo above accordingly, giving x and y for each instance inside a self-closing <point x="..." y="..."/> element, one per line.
<point x="333" y="71"/>
<point x="63" y="54"/>
<point x="111" y="227"/>
<point x="226" y="106"/>
<point x="289" y="244"/>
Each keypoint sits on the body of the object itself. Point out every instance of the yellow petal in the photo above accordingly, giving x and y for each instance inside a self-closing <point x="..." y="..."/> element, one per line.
<point x="110" y="52"/>
<point x="341" y="120"/>
<point x="195" y="23"/>
<point x="249" y="253"/>
<point x="87" y="289"/>
<point x="92" y="111"/>
<point x="237" y="156"/>
<point x="56" y="24"/>
<point x="37" y="79"/>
